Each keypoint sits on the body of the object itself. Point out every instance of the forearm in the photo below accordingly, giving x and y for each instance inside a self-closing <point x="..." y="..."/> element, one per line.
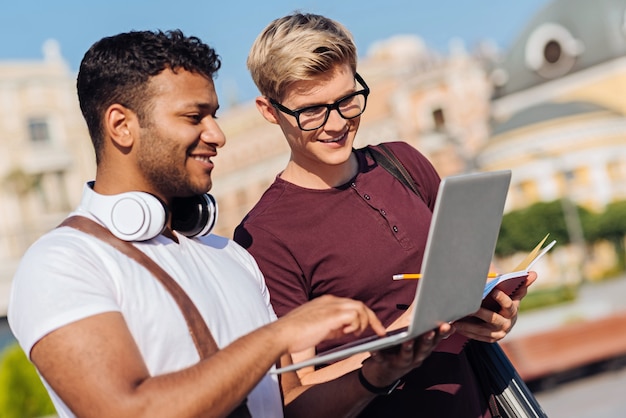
<point x="219" y="383"/>
<point x="94" y="361"/>
<point x="215" y="386"/>
<point x="342" y="397"/>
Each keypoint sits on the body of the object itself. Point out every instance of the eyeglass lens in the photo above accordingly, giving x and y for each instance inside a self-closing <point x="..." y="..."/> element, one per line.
<point x="349" y="107"/>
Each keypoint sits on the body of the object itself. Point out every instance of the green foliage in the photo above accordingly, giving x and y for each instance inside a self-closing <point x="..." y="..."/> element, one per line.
<point x="522" y="229"/>
<point x="610" y="224"/>
<point x="22" y="395"/>
<point x="612" y="227"/>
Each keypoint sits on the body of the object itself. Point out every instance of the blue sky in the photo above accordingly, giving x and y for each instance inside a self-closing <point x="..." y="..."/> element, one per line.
<point x="231" y="26"/>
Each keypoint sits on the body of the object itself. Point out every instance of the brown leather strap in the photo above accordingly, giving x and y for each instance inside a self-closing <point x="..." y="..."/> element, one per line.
<point x="202" y="338"/>
<point x="199" y="331"/>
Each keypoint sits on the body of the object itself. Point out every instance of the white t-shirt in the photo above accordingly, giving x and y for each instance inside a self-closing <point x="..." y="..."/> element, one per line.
<point x="68" y="275"/>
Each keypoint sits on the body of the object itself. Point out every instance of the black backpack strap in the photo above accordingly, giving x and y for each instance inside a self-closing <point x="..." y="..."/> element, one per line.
<point x="385" y="158"/>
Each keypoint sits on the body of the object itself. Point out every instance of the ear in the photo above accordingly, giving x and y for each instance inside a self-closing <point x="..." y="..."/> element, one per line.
<point x="120" y="124"/>
<point x="266" y="109"/>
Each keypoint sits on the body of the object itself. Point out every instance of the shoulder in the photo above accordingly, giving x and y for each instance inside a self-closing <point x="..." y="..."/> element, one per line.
<point x="223" y="246"/>
<point x="63" y="247"/>
<point x="405" y="152"/>
<point x="273" y="213"/>
<point x="61" y="278"/>
<point x="408" y="155"/>
<point x="419" y="167"/>
<point x="229" y="254"/>
<point x="66" y="256"/>
<point x="269" y="200"/>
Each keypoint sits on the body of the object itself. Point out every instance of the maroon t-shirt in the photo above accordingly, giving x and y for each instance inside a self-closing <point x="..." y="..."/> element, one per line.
<point x="349" y="241"/>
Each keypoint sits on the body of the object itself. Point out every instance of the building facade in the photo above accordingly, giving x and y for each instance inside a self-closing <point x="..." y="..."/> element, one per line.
<point x="552" y="109"/>
<point x="559" y="118"/>
<point x="559" y="106"/>
<point x="45" y="152"/>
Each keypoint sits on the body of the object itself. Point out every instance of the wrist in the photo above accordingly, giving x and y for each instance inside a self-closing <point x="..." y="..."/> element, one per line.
<point x="377" y="390"/>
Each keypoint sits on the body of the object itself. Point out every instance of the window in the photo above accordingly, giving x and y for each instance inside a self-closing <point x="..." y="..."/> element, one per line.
<point x="529" y="190"/>
<point x="439" y="119"/>
<point x="614" y="169"/>
<point x="551" y="50"/>
<point x="38" y="130"/>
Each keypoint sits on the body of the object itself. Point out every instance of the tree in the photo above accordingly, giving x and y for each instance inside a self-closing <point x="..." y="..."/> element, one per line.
<point x="522" y="229"/>
<point x="611" y="226"/>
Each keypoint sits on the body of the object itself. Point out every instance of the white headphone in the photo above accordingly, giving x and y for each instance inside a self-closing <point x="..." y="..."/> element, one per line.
<point x="140" y="216"/>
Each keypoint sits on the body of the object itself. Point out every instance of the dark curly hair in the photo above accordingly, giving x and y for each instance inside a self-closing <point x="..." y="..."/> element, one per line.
<point x="116" y="69"/>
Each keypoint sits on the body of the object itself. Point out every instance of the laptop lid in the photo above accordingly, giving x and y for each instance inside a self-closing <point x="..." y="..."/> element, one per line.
<point x="459" y="249"/>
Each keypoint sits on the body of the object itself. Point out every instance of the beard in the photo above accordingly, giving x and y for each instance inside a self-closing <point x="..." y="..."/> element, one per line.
<point x="162" y="161"/>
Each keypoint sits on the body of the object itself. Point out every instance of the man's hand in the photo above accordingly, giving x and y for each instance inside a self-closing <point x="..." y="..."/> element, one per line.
<point x="386" y="366"/>
<point x="489" y="326"/>
<point x="325" y="318"/>
<point x="344" y="394"/>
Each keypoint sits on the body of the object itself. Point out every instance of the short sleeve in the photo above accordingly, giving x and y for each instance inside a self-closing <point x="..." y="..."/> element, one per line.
<point x="56" y="283"/>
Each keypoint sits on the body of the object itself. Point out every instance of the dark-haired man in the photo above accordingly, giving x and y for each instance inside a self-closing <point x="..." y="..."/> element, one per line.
<point x="106" y="337"/>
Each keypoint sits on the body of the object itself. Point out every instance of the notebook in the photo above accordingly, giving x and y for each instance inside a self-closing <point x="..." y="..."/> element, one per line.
<point x="459" y="250"/>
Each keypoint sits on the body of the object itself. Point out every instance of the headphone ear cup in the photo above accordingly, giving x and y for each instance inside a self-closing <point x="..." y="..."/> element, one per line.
<point x="138" y="216"/>
<point x="194" y="216"/>
<point x="130" y="216"/>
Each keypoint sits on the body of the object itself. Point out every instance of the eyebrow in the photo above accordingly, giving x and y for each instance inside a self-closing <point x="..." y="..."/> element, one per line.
<point x="325" y="104"/>
<point x="204" y="106"/>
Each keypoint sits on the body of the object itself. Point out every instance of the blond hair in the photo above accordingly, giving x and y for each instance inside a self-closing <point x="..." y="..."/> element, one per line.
<point x="298" y="47"/>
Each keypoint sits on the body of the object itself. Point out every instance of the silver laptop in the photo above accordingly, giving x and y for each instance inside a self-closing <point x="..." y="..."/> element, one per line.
<point x="459" y="250"/>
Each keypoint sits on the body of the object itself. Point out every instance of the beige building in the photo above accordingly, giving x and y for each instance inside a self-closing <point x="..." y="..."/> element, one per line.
<point x="559" y="109"/>
<point x="559" y="117"/>
<point x="44" y="153"/>
<point x="553" y="110"/>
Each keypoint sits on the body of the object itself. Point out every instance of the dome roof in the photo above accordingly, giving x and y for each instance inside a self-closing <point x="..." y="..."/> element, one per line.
<point x="564" y="37"/>
<point x="545" y="112"/>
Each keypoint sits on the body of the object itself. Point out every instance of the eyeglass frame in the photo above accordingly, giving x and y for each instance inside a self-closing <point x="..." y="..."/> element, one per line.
<point x="329" y="107"/>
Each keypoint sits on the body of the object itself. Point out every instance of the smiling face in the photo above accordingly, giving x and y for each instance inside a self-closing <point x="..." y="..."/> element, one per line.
<point x="325" y="153"/>
<point x="179" y="135"/>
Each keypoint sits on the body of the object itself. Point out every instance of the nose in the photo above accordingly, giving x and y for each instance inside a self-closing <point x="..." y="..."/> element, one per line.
<point x="335" y="122"/>
<point x="212" y="133"/>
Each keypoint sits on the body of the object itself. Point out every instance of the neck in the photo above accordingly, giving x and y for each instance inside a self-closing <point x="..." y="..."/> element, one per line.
<point x="329" y="177"/>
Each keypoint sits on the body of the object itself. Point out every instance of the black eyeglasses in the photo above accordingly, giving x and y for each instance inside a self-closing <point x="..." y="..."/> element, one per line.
<point x="311" y="118"/>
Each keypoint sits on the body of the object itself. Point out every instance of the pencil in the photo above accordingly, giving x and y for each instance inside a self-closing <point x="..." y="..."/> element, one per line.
<point x="416" y="276"/>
